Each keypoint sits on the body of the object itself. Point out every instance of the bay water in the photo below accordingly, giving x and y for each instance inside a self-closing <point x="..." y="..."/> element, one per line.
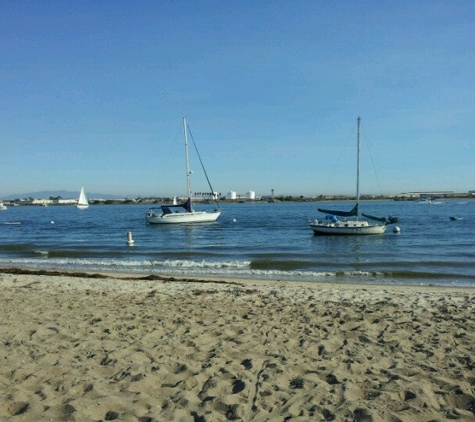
<point x="253" y="240"/>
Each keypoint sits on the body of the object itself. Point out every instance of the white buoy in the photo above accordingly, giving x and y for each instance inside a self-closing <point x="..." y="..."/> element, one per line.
<point x="234" y="220"/>
<point x="396" y="229"/>
<point x="52" y="222"/>
<point x="130" y="241"/>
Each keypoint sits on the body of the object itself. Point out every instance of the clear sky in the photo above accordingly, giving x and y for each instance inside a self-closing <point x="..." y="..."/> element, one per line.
<point x="92" y="93"/>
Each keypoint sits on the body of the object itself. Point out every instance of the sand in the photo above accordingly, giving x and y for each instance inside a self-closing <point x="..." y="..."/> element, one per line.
<point x="87" y="349"/>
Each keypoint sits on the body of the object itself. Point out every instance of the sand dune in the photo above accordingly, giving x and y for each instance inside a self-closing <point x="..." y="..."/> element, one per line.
<point x="80" y="349"/>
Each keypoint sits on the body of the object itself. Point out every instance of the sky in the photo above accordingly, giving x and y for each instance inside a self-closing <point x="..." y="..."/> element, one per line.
<point x="93" y="93"/>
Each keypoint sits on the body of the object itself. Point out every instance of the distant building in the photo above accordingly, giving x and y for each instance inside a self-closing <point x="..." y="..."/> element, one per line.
<point x="232" y="196"/>
<point x="205" y="196"/>
<point x="45" y="202"/>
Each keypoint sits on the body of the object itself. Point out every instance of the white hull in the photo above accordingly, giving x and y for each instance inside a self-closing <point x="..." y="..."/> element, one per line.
<point x="347" y="228"/>
<point x="82" y="207"/>
<point x="183" y="217"/>
<point x="2" y="207"/>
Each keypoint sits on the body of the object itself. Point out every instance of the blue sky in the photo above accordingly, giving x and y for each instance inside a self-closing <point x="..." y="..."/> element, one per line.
<point x="93" y="93"/>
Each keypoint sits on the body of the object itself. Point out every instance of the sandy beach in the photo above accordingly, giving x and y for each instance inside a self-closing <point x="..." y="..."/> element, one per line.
<point x="80" y="348"/>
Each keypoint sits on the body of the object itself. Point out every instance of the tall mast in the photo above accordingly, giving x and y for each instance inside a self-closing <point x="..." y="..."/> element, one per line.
<point x="358" y="168"/>
<point x="188" y="172"/>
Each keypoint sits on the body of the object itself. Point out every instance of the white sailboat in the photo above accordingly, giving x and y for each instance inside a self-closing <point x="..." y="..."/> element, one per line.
<point x="82" y="201"/>
<point x="184" y="213"/>
<point x="2" y="206"/>
<point x="331" y="225"/>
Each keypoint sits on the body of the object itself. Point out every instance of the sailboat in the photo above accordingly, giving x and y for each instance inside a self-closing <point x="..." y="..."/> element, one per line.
<point x="82" y="201"/>
<point x="184" y="213"/>
<point x="2" y="206"/>
<point x="331" y="225"/>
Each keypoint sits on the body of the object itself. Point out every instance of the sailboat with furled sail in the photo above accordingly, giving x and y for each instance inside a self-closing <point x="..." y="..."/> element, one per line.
<point x="184" y="213"/>
<point x="331" y="225"/>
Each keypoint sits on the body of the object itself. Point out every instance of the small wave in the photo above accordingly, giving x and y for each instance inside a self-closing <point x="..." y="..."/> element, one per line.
<point x="280" y="265"/>
<point x="18" y="247"/>
<point x="178" y="263"/>
<point x="240" y="269"/>
<point x="43" y="253"/>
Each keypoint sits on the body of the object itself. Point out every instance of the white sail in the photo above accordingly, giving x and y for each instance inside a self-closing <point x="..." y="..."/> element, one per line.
<point x="82" y="201"/>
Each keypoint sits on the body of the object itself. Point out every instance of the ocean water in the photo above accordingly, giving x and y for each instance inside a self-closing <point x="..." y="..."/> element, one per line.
<point x="250" y="240"/>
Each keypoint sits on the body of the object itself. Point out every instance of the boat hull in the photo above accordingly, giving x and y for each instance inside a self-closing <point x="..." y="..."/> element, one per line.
<point x="183" y="217"/>
<point x="347" y="228"/>
<point x="82" y="207"/>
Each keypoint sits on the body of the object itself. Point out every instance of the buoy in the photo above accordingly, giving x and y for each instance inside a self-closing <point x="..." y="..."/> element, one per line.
<point x="234" y="220"/>
<point x="130" y="241"/>
<point x="396" y="229"/>
<point x="52" y="222"/>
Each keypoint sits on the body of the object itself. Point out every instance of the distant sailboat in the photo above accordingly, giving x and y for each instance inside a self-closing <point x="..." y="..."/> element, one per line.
<point x="166" y="214"/>
<point x="82" y="201"/>
<point x="2" y="207"/>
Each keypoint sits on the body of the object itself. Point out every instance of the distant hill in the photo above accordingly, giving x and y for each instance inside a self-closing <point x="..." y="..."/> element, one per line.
<point x="62" y="193"/>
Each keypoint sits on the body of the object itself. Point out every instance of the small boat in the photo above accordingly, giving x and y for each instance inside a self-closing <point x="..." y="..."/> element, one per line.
<point x="3" y="207"/>
<point x="183" y="213"/>
<point x="428" y="200"/>
<point x="332" y="225"/>
<point x="82" y="201"/>
<point x="453" y="218"/>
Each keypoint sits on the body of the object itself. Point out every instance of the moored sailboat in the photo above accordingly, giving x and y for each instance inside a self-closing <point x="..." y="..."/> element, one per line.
<point x="331" y="225"/>
<point x="183" y="213"/>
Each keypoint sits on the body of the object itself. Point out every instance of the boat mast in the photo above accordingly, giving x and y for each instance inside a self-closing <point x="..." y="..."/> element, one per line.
<point x="358" y="169"/>
<point x="188" y="172"/>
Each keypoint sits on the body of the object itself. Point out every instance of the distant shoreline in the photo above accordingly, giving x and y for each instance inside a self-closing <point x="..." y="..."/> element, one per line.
<point x="280" y="199"/>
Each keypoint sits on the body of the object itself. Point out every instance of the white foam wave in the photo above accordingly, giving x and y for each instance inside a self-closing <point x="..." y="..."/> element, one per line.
<point x="172" y="267"/>
<point x="180" y="263"/>
<point x="187" y="268"/>
<point x="44" y="253"/>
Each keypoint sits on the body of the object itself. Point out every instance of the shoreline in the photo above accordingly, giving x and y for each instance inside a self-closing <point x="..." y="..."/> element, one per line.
<point x="92" y="274"/>
<point x="91" y="346"/>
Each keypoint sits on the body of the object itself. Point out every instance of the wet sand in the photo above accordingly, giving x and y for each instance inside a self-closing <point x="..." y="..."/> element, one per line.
<point x="84" y="347"/>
